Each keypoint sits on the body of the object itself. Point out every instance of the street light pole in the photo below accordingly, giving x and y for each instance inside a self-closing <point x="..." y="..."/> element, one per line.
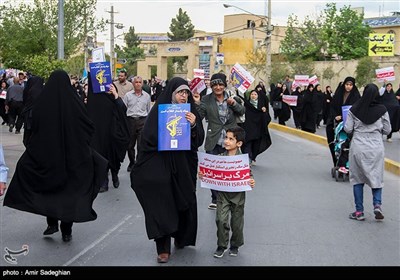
<point x="60" y="35"/>
<point x="267" y="38"/>
<point x="268" y="47"/>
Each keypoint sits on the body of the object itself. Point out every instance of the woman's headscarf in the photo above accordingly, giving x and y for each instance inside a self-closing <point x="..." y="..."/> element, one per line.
<point x="367" y="109"/>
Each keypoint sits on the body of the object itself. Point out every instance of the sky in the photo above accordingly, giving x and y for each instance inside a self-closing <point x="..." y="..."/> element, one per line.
<point x="154" y="16"/>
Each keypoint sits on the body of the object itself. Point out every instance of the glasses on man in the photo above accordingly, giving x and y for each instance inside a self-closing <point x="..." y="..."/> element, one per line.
<point x="183" y="92"/>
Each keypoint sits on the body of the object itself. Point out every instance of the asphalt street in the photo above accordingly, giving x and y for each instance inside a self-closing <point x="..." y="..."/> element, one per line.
<point x="297" y="215"/>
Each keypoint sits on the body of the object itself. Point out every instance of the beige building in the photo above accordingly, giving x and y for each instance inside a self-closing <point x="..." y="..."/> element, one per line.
<point x="242" y="34"/>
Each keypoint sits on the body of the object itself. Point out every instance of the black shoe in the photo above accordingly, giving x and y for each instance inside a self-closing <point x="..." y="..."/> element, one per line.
<point x="103" y="189"/>
<point x="66" y="237"/>
<point x="129" y="169"/>
<point x="115" y="179"/>
<point x="11" y="128"/>
<point x="116" y="183"/>
<point x="17" y="132"/>
<point x="50" y="230"/>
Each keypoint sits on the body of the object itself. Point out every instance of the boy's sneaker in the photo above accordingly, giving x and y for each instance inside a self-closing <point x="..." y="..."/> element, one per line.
<point x="343" y="170"/>
<point x="212" y="206"/>
<point x="233" y="251"/>
<point x="219" y="253"/>
<point x="359" y="216"/>
<point x="378" y="213"/>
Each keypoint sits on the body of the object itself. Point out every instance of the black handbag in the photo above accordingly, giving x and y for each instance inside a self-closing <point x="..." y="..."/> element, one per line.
<point x="277" y="104"/>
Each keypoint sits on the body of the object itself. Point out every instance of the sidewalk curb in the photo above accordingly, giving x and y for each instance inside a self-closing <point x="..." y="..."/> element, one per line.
<point x="390" y="165"/>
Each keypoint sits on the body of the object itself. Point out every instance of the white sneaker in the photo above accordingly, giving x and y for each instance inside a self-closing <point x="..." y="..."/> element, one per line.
<point x="389" y="140"/>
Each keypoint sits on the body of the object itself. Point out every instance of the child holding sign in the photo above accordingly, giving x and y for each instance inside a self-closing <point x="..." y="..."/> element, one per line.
<point x="232" y="202"/>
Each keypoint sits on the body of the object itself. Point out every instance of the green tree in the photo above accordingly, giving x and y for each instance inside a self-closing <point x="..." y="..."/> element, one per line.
<point x="74" y="65"/>
<point x="279" y="72"/>
<point x="303" y="67"/>
<point x="334" y="33"/>
<point x="365" y="71"/>
<point x="181" y="29"/>
<point x="131" y="52"/>
<point x="345" y="33"/>
<point x="29" y="30"/>
<point x="303" y="40"/>
<point x="41" y="66"/>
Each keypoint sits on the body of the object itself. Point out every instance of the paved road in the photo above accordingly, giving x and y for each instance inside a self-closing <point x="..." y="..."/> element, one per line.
<point x="392" y="150"/>
<point x="297" y="215"/>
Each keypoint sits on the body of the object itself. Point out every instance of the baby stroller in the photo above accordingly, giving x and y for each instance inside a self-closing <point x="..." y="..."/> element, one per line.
<point x="342" y="146"/>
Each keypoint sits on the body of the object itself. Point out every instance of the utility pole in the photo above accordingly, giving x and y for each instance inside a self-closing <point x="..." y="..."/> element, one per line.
<point x="60" y="38"/>
<point x="268" y="47"/>
<point x="112" y="38"/>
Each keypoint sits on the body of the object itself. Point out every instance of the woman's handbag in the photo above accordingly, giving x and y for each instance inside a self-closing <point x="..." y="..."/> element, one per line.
<point x="277" y="104"/>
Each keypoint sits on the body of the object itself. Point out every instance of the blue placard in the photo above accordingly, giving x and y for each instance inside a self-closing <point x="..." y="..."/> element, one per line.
<point x="100" y="75"/>
<point x="345" y="111"/>
<point x="173" y="127"/>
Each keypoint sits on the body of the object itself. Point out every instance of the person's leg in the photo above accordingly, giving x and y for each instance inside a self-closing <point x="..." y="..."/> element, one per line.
<point x="52" y="226"/>
<point x="66" y="231"/>
<point x="330" y="135"/>
<point x="139" y="128"/>
<point x="132" y="143"/>
<point x="389" y="137"/>
<point x="237" y="223"/>
<point x="216" y="151"/>
<point x="163" y="245"/>
<point x="20" y="120"/>
<point x="377" y="202"/>
<point x="114" y="177"/>
<point x="358" y="191"/>
<point x="222" y="222"/>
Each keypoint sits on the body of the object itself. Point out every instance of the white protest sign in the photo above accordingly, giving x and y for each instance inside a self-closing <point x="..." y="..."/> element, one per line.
<point x="241" y="79"/>
<point x="313" y="80"/>
<point x="98" y="55"/>
<point x="197" y="85"/>
<point x="299" y="81"/>
<point x="225" y="173"/>
<point x="198" y="73"/>
<point x="291" y="100"/>
<point x="386" y="73"/>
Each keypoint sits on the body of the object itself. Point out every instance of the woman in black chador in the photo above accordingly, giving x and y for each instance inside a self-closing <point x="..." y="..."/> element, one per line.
<point x="32" y="91"/>
<point x="59" y="173"/>
<point x="165" y="182"/>
<point x="111" y="137"/>
<point x="346" y="94"/>
<point x="256" y="125"/>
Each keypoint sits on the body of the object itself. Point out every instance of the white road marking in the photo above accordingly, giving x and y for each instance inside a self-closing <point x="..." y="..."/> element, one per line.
<point x="91" y="246"/>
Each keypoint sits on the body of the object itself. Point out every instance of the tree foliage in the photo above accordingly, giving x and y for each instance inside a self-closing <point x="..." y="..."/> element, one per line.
<point x="29" y="30"/>
<point x="181" y="27"/>
<point x="74" y="65"/>
<point x="41" y="66"/>
<point x="131" y="52"/>
<point x="303" y="40"/>
<point x="365" y="71"/>
<point x="340" y="34"/>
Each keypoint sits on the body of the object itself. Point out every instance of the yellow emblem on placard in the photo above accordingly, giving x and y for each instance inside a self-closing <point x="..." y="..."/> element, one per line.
<point x="171" y="125"/>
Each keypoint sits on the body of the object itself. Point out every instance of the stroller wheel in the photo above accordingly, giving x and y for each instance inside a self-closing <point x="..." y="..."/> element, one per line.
<point x="336" y="175"/>
<point x="333" y="172"/>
